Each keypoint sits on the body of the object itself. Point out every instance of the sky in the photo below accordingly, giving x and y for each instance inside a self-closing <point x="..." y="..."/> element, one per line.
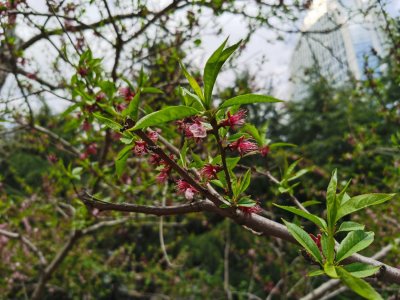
<point x="264" y="56"/>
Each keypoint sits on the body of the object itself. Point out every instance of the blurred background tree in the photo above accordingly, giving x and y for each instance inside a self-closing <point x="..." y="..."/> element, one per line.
<point x="116" y="256"/>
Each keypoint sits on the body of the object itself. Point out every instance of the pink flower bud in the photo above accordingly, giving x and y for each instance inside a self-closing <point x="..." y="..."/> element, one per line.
<point x="243" y="146"/>
<point x="234" y="120"/>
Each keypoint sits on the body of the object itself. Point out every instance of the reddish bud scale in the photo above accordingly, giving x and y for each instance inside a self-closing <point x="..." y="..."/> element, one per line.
<point x="250" y="210"/>
<point x="100" y="96"/>
<point x="52" y="158"/>
<point x="83" y="71"/>
<point x="264" y="151"/>
<point x="317" y="240"/>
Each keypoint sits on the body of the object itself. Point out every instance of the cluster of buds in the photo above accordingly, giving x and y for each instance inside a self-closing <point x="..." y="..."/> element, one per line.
<point x="155" y="159"/>
<point x="193" y="128"/>
<point x="185" y="188"/>
<point x="141" y="148"/>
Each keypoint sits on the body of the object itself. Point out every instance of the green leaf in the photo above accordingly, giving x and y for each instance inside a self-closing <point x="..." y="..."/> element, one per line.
<point x="244" y="182"/>
<point x="316" y="273"/>
<point x="331" y="201"/>
<point x="120" y="161"/>
<point x="108" y="122"/>
<point x="246" y="202"/>
<point x="290" y="169"/>
<point x="165" y="115"/>
<point x="151" y="90"/>
<point x="217" y="183"/>
<point x="133" y="108"/>
<point x="328" y="253"/>
<point x="330" y="270"/>
<point x="253" y="131"/>
<point x="361" y="270"/>
<point x="358" y="285"/>
<point x="248" y="99"/>
<point x="191" y="99"/>
<point x="212" y="68"/>
<point x="183" y="153"/>
<point x="278" y="145"/>
<point x="342" y="195"/>
<point x="310" y="203"/>
<point x="298" y="174"/>
<point x="350" y="226"/>
<point x="362" y="201"/>
<point x="316" y="220"/>
<point x="69" y="110"/>
<point x="305" y="240"/>
<point x="354" y="241"/>
<point x="193" y="83"/>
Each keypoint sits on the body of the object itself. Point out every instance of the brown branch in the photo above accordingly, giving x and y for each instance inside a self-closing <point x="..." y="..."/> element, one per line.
<point x="261" y="224"/>
<point x="92" y="202"/>
<point x="254" y="222"/>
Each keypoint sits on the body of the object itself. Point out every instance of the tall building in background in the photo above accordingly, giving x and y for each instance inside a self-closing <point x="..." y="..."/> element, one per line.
<point x="338" y="54"/>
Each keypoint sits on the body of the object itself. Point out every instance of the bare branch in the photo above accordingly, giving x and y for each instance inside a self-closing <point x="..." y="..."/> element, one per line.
<point x="27" y="242"/>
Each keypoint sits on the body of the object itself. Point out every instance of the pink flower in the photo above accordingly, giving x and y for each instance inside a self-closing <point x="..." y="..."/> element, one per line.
<point x="140" y="148"/>
<point x="185" y="188"/>
<point x="234" y="120"/>
<point x="153" y="135"/>
<point x="250" y="210"/>
<point x="192" y="128"/>
<point x="209" y="171"/>
<point x="162" y="176"/>
<point x="126" y="93"/>
<point x="155" y="159"/>
<point x="264" y="151"/>
<point x="164" y="173"/>
<point x="198" y="130"/>
<point x="242" y="146"/>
